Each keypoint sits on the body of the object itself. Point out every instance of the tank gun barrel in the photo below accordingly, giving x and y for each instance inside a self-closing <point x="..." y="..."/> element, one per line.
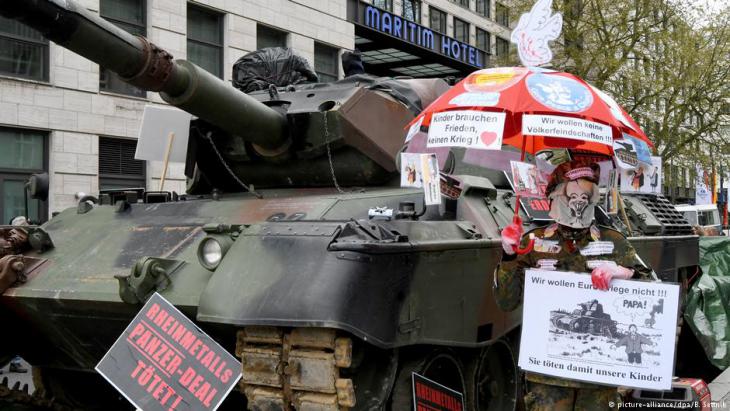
<point x="146" y="66"/>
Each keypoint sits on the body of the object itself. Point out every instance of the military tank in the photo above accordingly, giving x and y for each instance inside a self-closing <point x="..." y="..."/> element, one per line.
<point x="294" y="246"/>
<point x="589" y="318"/>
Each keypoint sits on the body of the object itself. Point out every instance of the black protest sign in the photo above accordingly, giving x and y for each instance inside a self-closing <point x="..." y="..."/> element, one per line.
<point x="431" y="396"/>
<point x="163" y="361"/>
<point x="537" y="209"/>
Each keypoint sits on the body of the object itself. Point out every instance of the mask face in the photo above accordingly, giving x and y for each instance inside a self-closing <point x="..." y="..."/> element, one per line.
<point x="573" y="203"/>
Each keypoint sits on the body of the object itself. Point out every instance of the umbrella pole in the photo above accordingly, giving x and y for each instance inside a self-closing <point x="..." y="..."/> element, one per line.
<point x="516" y="219"/>
<point x="623" y="212"/>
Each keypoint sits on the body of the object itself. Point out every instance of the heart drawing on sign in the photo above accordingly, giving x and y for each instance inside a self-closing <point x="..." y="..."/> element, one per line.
<point x="488" y="137"/>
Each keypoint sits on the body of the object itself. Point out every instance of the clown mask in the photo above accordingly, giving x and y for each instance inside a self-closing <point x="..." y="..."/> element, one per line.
<point x="573" y="203"/>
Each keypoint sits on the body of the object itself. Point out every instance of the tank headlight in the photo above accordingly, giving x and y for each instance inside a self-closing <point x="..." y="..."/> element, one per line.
<point x="211" y="251"/>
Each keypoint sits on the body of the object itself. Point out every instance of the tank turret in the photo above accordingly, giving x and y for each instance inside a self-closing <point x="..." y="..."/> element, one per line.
<point x="344" y="133"/>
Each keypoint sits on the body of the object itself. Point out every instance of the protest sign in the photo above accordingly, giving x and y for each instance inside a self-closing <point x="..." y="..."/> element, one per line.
<point x="624" y="336"/>
<point x="643" y="153"/>
<point x="625" y="153"/>
<point x="527" y="180"/>
<point x="646" y="178"/>
<point x="414" y="129"/>
<point x="431" y="179"/>
<point x="421" y="170"/>
<point x="566" y="127"/>
<point x="703" y="195"/>
<point x="164" y="362"/>
<point x="431" y="396"/>
<point x="410" y="170"/>
<point x="466" y="128"/>
<point x="157" y="124"/>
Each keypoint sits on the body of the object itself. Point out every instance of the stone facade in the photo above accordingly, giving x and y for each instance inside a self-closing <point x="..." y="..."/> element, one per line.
<point x="75" y="112"/>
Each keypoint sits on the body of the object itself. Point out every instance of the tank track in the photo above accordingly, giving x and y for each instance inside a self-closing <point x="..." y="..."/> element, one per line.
<point x="295" y="369"/>
<point x="17" y="395"/>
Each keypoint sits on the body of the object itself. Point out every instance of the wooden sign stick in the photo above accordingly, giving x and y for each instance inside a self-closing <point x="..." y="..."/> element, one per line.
<point x="170" y="139"/>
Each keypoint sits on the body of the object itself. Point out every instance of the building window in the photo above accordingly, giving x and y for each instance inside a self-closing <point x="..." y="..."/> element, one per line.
<point x="412" y="10"/>
<point x="24" y="153"/>
<point x="462" y="3"/>
<point x="484" y="7"/>
<point x="268" y="37"/>
<point x="128" y="15"/>
<point x="23" y="51"/>
<point x="205" y="39"/>
<point x="461" y="30"/>
<point x="326" y="63"/>
<point x="502" y="14"/>
<point x="438" y="20"/>
<point x="384" y="4"/>
<point x="484" y="40"/>
<point x="117" y="166"/>
<point x="502" y="47"/>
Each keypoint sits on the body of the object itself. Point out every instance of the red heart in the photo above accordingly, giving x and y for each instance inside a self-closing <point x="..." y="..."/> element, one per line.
<point x="488" y="137"/>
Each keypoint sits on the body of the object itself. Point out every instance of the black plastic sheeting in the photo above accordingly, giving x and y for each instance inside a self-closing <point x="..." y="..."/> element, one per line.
<point x="708" y="301"/>
<point x="274" y="65"/>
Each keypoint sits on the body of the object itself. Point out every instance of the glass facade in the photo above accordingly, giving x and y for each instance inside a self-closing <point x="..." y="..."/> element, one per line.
<point x="205" y="39"/>
<point x="484" y="40"/>
<point x="461" y="30"/>
<point x="501" y="14"/>
<point x="23" y="51"/>
<point x="326" y="62"/>
<point x="502" y="47"/>
<point x="412" y="10"/>
<point x="384" y="4"/>
<point x="438" y="19"/>
<point x="269" y="37"/>
<point x="484" y="8"/>
<point x="117" y="165"/>
<point x="23" y="153"/>
<point x="128" y="15"/>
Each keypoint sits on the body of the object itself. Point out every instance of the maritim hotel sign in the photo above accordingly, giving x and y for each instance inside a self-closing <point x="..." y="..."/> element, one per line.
<point x="409" y="32"/>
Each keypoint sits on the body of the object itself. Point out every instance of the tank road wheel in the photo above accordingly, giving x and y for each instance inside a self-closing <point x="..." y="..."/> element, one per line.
<point x="492" y="379"/>
<point x="436" y="364"/>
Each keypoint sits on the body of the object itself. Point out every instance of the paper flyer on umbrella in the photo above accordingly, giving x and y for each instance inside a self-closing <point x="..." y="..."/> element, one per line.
<point x="624" y="336"/>
<point x="410" y="170"/>
<point x="527" y="180"/>
<point x="611" y="198"/>
<point x="644" y="179"/>
<point x="421" y="170"/>
<point x="431" y="179"/>
<point x="466" y="128"/>
<point x="625" y="154"/>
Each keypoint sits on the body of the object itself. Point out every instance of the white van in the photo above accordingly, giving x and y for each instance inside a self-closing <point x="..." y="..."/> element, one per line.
<point x="705" y="216"/>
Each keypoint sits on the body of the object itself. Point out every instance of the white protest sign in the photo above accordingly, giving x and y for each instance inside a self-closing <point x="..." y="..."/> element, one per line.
<point x="644" y="179"/>
<point x="566" y="127"/>
<point x="410" y="170"/>
<point x="624" y="336"/>
<point x="625" y="153"/>
<point x="466" y="128"/>
<point x="414" y="129"/>
<point x="703" y="194"/>
<point x="157" y="125"/>
<point x="527" y="180"/>
<point x="431" y="179"/>
<point x="533" y="32"/>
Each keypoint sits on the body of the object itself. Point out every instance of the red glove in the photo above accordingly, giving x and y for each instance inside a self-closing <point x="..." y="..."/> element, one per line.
<point x="511" y="236"/>
<point x="602" y="275"/>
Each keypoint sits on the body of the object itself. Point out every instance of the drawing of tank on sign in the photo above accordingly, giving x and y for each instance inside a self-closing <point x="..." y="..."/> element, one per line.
<point x="589" y="318"/>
